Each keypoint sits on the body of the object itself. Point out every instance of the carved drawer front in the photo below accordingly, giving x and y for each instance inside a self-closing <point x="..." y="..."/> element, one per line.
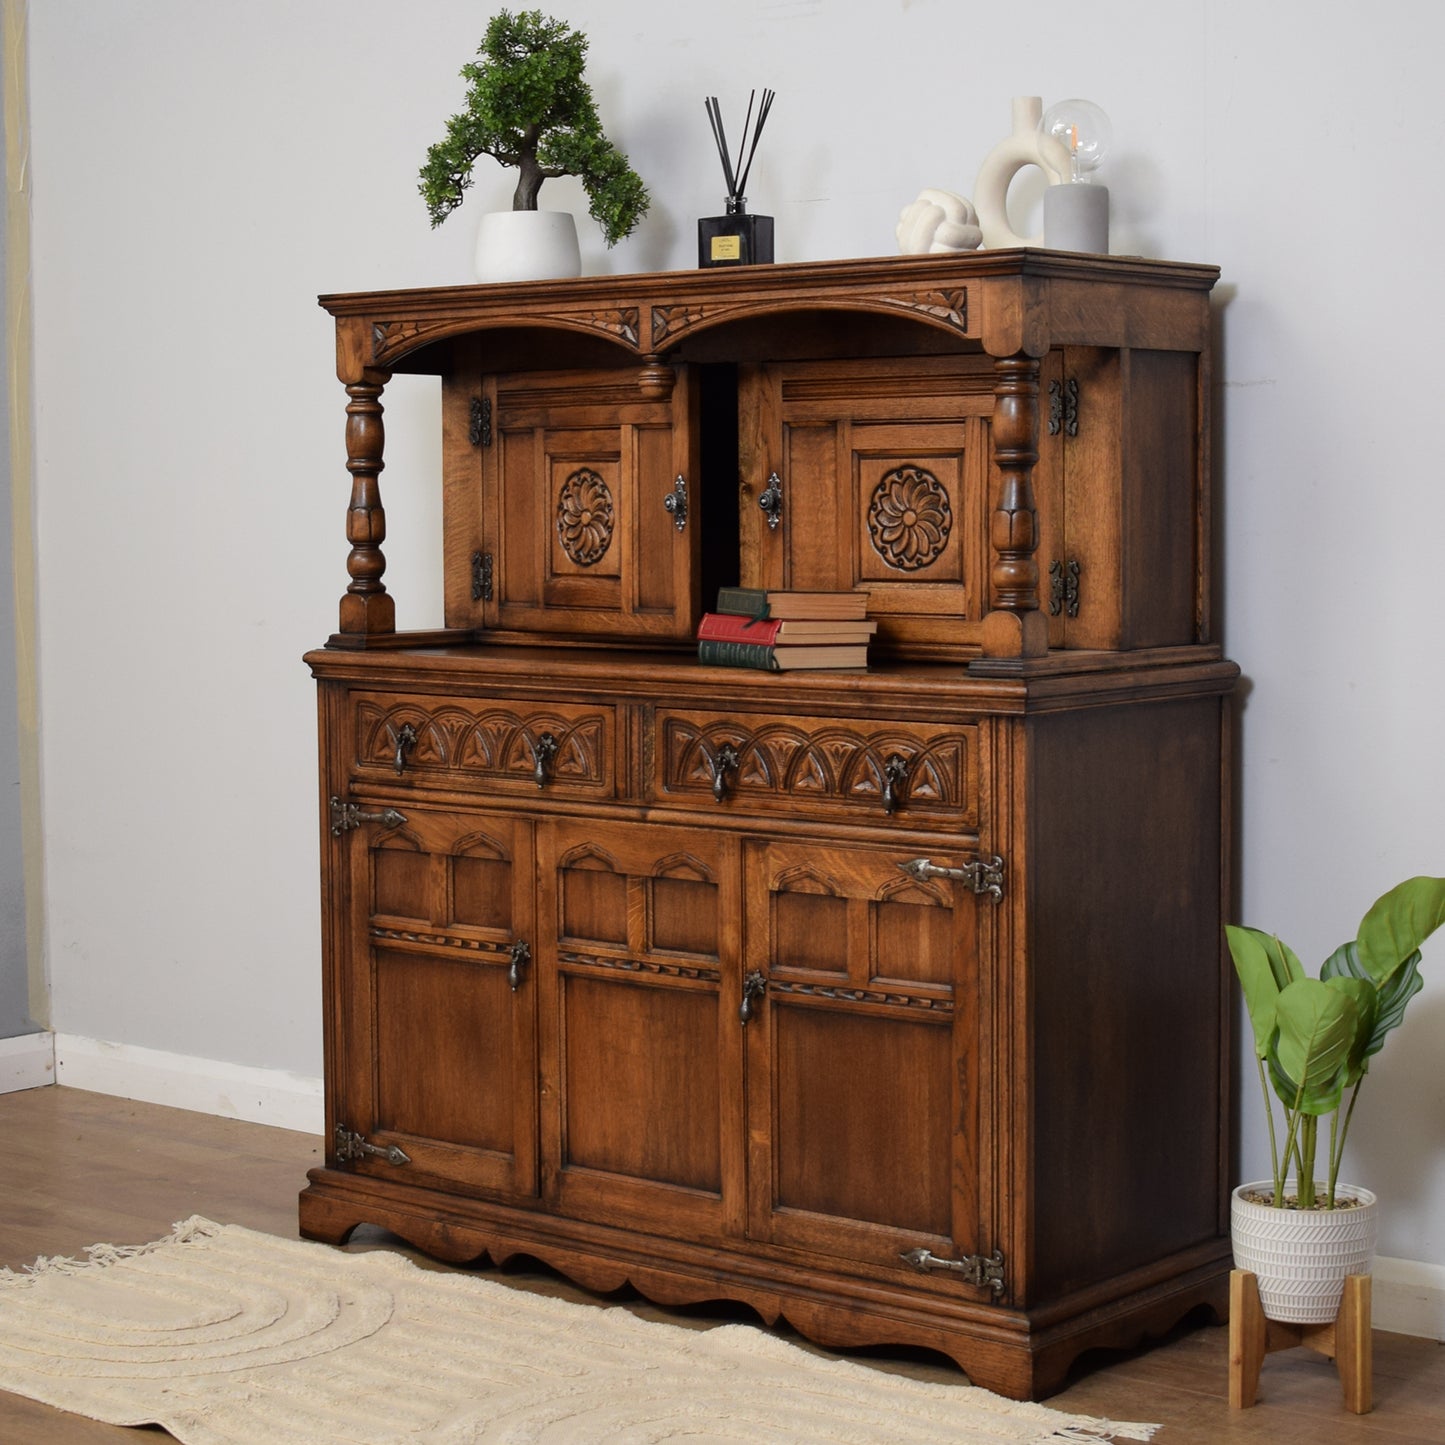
<point x="490" y="743"/>
<point x="873" y="771"/>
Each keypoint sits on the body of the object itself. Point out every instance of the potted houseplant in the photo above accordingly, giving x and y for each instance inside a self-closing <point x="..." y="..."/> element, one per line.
<point x="529" y="106"/>
<point x="1313" y="1042"/>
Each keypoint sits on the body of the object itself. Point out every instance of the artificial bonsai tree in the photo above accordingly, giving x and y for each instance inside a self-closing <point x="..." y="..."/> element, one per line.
<point x="1315" y="1037"/>
<point x="530" y="107"/>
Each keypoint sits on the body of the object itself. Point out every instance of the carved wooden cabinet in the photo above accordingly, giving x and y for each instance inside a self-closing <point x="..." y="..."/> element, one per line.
<point x="889" y="1001"/>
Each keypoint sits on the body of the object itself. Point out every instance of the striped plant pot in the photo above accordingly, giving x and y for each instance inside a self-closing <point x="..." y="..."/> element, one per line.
<point x="1301" y="1257"/>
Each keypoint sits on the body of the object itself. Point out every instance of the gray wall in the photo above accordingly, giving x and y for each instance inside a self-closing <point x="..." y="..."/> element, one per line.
<point x="14" y="982"/>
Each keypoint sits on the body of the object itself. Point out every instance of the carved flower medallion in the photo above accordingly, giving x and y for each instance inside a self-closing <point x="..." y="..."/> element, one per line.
<point x="909" y="518"/>
<point x="585" y="517"/>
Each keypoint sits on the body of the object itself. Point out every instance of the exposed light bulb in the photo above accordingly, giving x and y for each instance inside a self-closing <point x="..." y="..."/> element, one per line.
<point x="1085" y="132"/>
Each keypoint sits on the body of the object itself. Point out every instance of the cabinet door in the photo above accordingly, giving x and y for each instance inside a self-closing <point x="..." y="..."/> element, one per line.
<point x="438" y="1012"/>
<point x="641" y="1054"/>
<point x="578" y="509"/>
<point x="883" y="470"/>
<point x="861" y="1054"/>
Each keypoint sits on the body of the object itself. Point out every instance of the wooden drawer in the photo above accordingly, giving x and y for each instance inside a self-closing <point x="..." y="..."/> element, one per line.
<point x="484" y="743"/>
<point x="871" y="771"/>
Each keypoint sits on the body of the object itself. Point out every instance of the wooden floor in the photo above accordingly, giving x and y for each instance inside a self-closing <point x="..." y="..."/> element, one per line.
<point x="79" y="1168"/>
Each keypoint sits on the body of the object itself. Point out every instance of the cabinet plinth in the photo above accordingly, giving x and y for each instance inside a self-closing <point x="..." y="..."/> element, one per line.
<point x="887" y="1001"/>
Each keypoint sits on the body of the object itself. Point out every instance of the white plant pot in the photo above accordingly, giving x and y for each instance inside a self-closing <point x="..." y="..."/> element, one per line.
<point x="527" y="246"/>
<point x="1301" y="1257"/>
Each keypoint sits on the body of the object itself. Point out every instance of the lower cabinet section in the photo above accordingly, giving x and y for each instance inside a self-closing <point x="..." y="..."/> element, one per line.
<point x="822" y="1067"/>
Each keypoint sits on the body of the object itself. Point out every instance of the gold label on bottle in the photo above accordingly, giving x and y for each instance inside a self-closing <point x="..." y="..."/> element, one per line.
<point x="727" y="248"/>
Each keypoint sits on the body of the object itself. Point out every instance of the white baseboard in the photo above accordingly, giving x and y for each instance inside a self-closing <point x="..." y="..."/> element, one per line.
<point x="207" y="1086"/>
<point x="1407" y="1297"/>
<point x="27" y="1062"/>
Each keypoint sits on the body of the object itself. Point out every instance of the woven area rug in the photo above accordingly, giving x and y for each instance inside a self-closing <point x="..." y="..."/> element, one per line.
<point x="229" y="1337"/>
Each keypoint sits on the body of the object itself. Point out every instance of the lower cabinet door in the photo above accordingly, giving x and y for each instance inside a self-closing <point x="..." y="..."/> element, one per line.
<point x="437" y="1030"/>
<point x="638" y="946"/>
<point x="861" y="1054"/>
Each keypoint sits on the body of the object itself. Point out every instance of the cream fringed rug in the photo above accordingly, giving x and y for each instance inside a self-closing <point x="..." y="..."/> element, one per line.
<point x="229" y="1337"/>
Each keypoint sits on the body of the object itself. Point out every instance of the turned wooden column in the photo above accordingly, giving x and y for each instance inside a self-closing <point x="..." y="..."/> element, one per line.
<point x="1015" y="627"/>
<point x="366" y="606"/>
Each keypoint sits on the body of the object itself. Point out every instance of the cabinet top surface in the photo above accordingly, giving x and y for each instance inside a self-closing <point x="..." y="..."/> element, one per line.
<point x="1008" y="301"/>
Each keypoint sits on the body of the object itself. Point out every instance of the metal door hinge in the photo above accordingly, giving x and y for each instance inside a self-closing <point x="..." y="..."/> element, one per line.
<point x="351" y="1147"/>
<point x="481" y="576"/>
<point x="985" y="876"/>
<point x="479" y="433"/>
<point x="346" y="816"/>
<point x="1064" y="407"/>
<point x="982" y="1271"/>
<point x="1064" y="587"/>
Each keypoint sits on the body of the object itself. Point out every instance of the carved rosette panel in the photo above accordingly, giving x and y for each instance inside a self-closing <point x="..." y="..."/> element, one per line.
<point x="497" y="743"/>
<point x="585" y="517"/>
<point x="829" y="765"/>
<point x="909" y="518"/>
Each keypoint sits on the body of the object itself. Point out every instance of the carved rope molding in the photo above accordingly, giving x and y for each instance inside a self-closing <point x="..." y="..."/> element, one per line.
<point x="700" y="973"/>
<point x="863" y="995"/>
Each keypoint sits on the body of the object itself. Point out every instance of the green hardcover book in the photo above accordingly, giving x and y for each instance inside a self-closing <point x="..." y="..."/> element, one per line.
<point x="743" y="601"/>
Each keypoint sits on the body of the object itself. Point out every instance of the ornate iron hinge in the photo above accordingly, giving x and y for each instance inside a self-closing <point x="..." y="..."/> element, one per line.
<point x="985" y="876"/>
<point x="1064" y="407"/>
<point x="1064" y="587"/>
<point x="479" y="433"/>
<point x="481" y="576"/>
<point x="351" y="1147"/>
<point x="346" y="816"/>
<point x="982" y="1271"/>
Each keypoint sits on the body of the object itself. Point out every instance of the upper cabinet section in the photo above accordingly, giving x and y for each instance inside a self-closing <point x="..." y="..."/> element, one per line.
<point x="1007" y="450"/>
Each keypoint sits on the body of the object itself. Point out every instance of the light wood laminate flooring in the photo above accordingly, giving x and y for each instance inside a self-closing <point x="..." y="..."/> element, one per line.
<point x="80" y="1168"/>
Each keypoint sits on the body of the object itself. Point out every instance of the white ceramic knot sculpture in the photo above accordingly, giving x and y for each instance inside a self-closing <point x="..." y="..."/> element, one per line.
<point x="937" y="221"/>
<point x="1026" y="146"/>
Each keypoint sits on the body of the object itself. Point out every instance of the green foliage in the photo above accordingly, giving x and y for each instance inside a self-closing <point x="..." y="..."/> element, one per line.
<point x="1314" y="1038"/>
<point x="529" y="106"/>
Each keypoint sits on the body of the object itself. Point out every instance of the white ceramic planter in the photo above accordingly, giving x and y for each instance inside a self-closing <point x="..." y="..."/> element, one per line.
<point x="1301" y="1257"/>
<point x="527" y="246"/>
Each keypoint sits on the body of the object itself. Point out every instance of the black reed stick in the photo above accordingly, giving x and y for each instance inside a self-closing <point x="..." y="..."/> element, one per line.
<point x="736" y="176"/>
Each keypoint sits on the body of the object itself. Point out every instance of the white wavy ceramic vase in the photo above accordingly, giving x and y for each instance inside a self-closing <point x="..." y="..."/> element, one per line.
<point x="1302" y="1257"/>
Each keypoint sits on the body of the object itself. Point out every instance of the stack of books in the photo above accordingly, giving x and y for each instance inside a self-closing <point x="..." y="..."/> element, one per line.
<point x="778" y="631"/>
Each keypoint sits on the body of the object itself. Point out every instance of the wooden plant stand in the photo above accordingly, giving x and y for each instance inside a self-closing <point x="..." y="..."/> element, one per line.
<point x="1345" y="1339"/>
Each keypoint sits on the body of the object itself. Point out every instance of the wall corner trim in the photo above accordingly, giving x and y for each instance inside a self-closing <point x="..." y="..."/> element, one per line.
<point x="27" y="1062"/>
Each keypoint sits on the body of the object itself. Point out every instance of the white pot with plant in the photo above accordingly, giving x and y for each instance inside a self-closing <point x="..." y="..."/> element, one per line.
<point x="1302" y="1232"/>
<point x="529" y="106"/>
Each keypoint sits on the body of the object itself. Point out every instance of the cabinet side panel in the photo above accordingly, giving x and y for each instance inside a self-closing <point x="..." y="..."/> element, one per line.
<point x="1161" y="498"/>
<point x="1127" y="980"/>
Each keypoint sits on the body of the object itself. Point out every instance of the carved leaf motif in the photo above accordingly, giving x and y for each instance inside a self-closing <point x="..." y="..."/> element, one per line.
<point x="909" y="518"/>
<point x="585" y="517"/>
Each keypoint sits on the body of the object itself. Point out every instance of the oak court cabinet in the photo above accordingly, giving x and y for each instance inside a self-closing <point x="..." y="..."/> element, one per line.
<point x="889" y="1002"/>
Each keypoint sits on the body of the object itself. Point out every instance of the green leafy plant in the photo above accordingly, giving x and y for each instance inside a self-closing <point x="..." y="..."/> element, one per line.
<point x="1314" y="1038"/>
<point x="529" y="106"/>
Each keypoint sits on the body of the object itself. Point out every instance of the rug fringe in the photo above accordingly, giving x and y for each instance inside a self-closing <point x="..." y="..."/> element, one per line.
<point x="101" y="1256"/>
<point x="1100" y="1431"/>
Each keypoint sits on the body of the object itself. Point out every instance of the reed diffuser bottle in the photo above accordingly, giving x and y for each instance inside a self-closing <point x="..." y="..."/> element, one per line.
<point x="736" y="238"/>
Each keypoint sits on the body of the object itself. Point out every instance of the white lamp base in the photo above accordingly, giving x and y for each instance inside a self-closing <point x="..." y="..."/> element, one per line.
<point x="1076" y="218"/>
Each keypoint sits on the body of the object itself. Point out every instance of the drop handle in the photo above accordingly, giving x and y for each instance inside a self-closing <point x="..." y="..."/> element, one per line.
<point x="521" y="956"/>
<point x="895" y="783"/>
<point x="754" y="986"/>
<point x="722" y="762"/>
<point x="543" y="751"/>
<point x="405" y="742"/>
<point x="771" y="500"/>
